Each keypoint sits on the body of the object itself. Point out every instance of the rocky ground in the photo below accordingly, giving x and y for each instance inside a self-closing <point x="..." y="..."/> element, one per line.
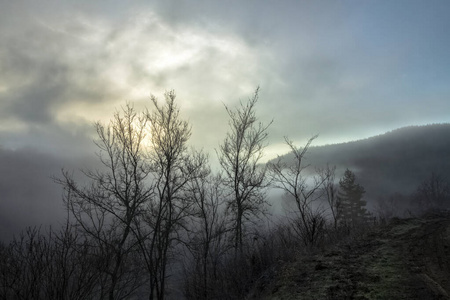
<point x="407" y="259"/>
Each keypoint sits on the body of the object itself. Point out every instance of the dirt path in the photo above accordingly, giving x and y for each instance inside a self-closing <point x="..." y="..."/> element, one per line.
<point x="408" y="259"/>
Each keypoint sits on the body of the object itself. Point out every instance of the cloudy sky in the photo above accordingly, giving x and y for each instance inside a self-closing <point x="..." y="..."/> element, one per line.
<point x="345" y="70"/>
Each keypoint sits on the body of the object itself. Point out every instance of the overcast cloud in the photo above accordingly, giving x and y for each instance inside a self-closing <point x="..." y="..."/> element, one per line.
<point x="345" y="70"/>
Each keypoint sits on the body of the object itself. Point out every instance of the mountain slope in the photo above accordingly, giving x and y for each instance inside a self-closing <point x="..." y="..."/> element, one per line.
<point x="397" y="161"/>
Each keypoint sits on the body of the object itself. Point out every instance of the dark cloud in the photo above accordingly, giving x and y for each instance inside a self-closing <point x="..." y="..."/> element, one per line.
<point x="28" y="195"/>
<point x="36" y="75"/>
<point x="35" y="103"/>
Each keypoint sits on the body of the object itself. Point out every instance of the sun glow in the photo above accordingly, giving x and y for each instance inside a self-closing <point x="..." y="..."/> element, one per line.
<point x="111" y="65"/>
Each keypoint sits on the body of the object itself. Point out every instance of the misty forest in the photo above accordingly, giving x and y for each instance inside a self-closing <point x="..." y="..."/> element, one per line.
<point x="161" y="220"/>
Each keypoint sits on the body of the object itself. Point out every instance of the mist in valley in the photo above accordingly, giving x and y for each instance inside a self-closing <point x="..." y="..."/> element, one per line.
<point x="224" y="150"/>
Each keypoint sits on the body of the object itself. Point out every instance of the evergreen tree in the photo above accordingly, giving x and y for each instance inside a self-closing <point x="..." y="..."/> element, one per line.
<point x="351" y="206"/>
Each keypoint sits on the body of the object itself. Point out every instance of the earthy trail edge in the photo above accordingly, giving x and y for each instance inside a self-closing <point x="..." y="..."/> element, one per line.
<point x="407" y="259"/>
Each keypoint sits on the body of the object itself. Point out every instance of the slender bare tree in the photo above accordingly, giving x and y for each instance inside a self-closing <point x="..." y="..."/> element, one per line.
<point x="329" y="188"/>
<point x="240" y="155"/>
<point x="290" y="178"/>
<point x="207" y="242"/>
<point x="105" y="211"/>
<point x="48" y="265"/>
<point x="172" y="167"/>
<point x="433" y="193"/>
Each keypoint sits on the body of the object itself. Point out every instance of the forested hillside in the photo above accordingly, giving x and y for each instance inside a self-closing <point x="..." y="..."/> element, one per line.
<point x="394" y="162"/>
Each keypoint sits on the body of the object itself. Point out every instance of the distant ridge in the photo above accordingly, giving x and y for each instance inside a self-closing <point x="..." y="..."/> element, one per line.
<point x="397" y="161"/>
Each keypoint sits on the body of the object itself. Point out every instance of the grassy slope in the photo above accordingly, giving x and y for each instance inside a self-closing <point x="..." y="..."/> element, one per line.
<point x="407" y="259"/>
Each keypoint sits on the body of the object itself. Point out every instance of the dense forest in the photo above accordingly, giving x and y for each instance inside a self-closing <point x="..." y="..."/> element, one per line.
<point x="156" y="222"/>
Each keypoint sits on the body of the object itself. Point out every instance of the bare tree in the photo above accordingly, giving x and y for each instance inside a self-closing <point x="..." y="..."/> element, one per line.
<point x="25" y="266"/>
<point x="105" y="211"/>
<point x="388" y="207"/>
<point x="290" y="178"/>
<point x="239" y="156"/>
<point x="172" y="167"/>
<point x="51" y="265"/>
<point x="329" y="188"/>
<point x="433" y="193"/>
<point x="137" y="203"/>
<point x="207" y="239"/>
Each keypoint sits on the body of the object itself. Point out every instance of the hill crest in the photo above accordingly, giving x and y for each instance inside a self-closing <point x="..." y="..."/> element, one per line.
<point x="394" y="162"/>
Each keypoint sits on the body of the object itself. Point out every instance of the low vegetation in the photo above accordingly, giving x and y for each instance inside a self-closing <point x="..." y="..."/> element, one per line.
<point x="157" y="223"/>
<point x="405" y="259"/>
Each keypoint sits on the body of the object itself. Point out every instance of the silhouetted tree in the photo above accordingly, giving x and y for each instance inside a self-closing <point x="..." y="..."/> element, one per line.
<point x="433" y="193"/>
<point x="290" y="178"/>
<point x="329" y="188"/>
<point x="389" y="206"/>
<point x="106" y="210"/>
<point x="239" y="156"/>
<point x="207" y="242"/>
<point x="352" y="208"/>
<point x="51" y="265"/>
<point x="138" y="203"/>
<point x="172" y="167"/>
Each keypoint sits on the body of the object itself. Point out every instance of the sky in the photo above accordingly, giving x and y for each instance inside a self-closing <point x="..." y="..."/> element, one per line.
<point x="345" y="70"/>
